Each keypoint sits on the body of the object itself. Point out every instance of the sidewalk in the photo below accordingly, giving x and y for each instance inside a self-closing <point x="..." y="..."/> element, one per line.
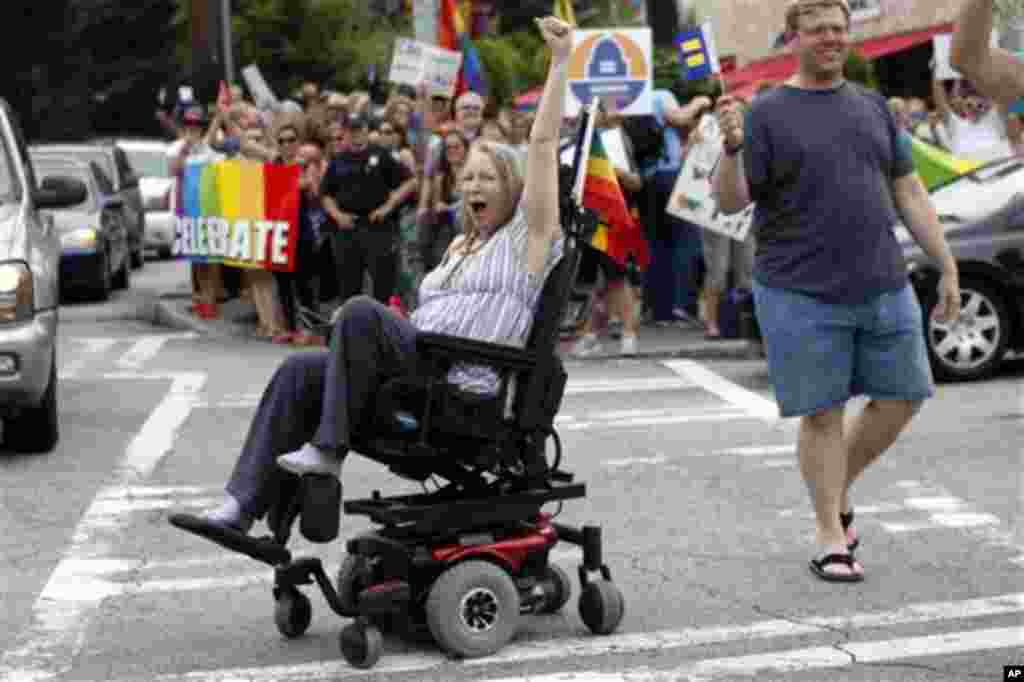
<point x="238" y="320"/>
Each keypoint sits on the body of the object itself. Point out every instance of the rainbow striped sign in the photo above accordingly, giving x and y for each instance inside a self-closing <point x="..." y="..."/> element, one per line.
<point x="239" y="213"/>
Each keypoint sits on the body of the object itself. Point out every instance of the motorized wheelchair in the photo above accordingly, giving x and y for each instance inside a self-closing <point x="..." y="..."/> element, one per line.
<point x="462" y="563"/>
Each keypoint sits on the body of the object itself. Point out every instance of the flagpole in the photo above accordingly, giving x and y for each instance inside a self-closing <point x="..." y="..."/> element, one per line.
<point x="583" y="152"/>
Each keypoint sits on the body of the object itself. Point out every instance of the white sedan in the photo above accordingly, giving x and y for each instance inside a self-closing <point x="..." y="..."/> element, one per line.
<point x="149" y="158"/>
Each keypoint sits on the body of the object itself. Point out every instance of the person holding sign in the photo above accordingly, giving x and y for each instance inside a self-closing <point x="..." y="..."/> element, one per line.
<point x="994" y="72"/>
<point x="487" y="288"/>
<point x="837" y="314"/>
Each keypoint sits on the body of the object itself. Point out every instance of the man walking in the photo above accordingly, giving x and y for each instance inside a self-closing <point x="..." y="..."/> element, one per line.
<point x="822" y="159"/>
<point x="993" y="71"/>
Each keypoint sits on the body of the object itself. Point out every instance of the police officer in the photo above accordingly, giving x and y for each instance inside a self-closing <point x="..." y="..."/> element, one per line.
<point x="362" y="191"/>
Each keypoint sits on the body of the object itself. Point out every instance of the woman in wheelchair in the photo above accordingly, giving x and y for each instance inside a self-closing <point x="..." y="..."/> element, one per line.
<point x="486" y="288"/>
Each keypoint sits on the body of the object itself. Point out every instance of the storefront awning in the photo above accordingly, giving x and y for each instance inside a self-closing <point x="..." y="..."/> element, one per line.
<point x="743" y="82"/>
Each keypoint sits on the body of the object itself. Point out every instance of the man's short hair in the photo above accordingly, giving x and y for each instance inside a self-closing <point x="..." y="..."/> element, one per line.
<point x="798" y="8"/>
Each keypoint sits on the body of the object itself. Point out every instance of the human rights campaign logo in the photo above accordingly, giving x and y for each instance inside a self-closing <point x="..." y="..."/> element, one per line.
<point x="610" y="66"/>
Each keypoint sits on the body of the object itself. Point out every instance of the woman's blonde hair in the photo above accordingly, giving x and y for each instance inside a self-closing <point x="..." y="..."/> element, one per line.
<point x="506" y="162"/>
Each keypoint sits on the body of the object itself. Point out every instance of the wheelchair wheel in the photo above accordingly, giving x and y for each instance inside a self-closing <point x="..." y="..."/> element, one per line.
<point x="361" y="644"/>
<point x="349" y="583"/>
<point x="292" y="613"/>
<point x="601" y="607"/>
<point x="473" y="609"/>
<point x="557" y="591"/>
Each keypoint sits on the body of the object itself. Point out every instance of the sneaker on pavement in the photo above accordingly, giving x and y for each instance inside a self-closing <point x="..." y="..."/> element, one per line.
<point x="628" y="345"/>
<point x="587" y="347"/>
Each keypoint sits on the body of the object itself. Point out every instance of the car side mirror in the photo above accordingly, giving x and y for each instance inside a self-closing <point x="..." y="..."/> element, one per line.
<point x="59" y="192"/>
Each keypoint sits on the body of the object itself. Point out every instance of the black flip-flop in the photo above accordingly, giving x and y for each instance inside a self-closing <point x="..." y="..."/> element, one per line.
<point x="262" y="549"/>
<point x="847" y="520"/>
<point x="818" y="568"/>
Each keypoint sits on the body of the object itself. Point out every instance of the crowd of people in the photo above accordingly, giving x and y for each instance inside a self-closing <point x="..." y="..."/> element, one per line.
<point x="381" y="203"/>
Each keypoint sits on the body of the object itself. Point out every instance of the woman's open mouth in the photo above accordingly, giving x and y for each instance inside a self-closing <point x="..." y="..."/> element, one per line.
<point x="478" y="208"/>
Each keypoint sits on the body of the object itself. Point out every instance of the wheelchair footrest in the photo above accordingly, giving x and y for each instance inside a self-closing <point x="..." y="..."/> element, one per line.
<point x="262" y="549"/>
<point x="440" y="512"/>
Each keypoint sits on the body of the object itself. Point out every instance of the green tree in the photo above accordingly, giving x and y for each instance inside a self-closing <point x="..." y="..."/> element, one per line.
<point x="333" y="42"/>
<point x="78" y="74"/>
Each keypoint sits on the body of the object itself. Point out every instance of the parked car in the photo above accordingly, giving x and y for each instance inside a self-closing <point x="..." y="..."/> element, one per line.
<point x="95" y="255"/>
<point x="29" y="295"/>
<point x="114" y="162"/>
<point x="149" y="159"/>
<point x="982" y="213"/>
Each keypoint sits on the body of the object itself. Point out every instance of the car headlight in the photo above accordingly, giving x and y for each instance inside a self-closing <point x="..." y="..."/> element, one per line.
<point x="16" y="292"/>
<point x="85" y="238"/>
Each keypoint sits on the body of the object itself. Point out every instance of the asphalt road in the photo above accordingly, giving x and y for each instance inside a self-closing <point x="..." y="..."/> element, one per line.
<point x="706" y="522"/>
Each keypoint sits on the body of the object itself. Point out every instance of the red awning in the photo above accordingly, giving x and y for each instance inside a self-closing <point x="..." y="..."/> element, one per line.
<point x="880" y="47"/>
<point x="743" y="82"/>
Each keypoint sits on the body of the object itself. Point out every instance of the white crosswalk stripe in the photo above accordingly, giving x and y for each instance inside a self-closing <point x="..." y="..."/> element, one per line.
<point x="84" y="356"/>
<point x="575" y="651"/>
<point x="97" y="570"/>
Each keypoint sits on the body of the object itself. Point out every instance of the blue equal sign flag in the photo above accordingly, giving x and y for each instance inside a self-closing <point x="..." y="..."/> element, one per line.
<point x="698" y="55"/>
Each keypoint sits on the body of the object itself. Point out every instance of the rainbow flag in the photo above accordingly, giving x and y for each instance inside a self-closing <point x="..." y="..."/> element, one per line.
<point x="454" y="35"/>
<point x="239" y="213"/>
<point x="618" y="234"/>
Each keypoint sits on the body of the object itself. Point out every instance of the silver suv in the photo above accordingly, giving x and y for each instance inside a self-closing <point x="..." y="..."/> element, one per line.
<point x="29" y="292"/>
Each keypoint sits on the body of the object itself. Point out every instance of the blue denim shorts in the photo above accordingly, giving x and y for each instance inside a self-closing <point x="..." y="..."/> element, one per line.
<point x="822" y="354"/>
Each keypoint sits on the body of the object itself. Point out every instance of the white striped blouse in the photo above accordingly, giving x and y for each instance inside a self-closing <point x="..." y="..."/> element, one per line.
<point x="489" y="296"/>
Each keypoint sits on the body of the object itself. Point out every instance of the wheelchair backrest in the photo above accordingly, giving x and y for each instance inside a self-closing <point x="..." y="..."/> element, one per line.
<point x="540" y="390"/>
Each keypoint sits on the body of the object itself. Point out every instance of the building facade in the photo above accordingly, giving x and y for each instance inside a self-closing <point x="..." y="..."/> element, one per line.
<point x="748" y="29"/>
<point x="894" y="35"/>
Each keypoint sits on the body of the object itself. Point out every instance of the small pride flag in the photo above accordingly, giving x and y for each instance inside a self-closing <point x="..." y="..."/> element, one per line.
<point x="618" y="233"/>
<point x="698" y="54"/>
<point x="239" y="213"/>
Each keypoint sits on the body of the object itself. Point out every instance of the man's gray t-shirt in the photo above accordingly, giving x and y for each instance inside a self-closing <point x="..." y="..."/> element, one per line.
<point x="820" y="164"/>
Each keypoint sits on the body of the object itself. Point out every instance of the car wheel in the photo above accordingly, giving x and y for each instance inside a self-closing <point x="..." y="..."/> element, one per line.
<point x="123" y="278"/>
<point x="36" y="430"/>
<point x="973" y="347"/>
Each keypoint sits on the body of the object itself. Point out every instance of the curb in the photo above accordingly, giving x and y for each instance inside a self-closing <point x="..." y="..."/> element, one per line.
<point x="162" y="312"/>
<point x="721" y="350"/>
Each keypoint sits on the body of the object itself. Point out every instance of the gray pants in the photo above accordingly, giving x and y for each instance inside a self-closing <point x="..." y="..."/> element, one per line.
<point x="322" y="398"/>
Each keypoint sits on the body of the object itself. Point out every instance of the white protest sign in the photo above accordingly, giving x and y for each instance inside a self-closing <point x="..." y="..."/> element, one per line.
<point x="942" y="45"/>
<point x="615" y="65"/>
<point x="261" y="92"/>
<point x="692" y="199"/>
<point x="415" y="63"/>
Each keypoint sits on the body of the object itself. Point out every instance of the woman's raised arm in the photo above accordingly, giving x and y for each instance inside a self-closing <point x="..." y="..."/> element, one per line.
<point x="541" y="181"/>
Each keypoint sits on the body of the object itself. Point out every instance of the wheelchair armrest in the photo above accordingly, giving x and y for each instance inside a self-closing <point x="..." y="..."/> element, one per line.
<point x="470" y="351"/>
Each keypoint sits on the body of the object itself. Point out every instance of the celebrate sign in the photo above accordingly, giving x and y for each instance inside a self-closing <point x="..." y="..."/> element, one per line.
<point x="239" y="213"/>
